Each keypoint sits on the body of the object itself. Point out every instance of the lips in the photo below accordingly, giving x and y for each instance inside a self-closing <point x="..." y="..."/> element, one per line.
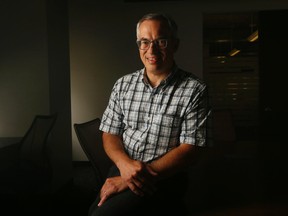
<point x="152" y="60"/>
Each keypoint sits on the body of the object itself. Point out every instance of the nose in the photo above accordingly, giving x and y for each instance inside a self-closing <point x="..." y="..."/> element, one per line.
<point x="153" y="47"/>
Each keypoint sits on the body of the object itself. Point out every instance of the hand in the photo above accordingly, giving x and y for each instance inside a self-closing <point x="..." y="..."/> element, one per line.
<point x="111" y="186"/>
<point x="139" y="177"/>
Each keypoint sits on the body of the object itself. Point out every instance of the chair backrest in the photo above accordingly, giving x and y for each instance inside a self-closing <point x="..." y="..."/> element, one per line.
<point x="33" y="146"/>
<point x="90" y="139"/>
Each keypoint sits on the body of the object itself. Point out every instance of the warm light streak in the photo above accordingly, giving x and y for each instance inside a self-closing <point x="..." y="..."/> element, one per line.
<point x="233" y="52"/>
<point x="253" y="37"/>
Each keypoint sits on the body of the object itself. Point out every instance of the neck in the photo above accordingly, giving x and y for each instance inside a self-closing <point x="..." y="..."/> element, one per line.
<point x="155" y="78"/>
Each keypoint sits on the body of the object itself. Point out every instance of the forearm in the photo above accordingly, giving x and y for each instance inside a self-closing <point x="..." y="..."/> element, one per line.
<point x="174" y="161"/>
<point x="113" y="146"/>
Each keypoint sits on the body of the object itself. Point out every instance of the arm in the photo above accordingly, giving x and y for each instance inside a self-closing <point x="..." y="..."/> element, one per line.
<point x="133" y="172"/>
<point x="114" y="149"/>
<point x="192" y="137"/>
<point x="175" y="160"/>
<point x="136" y="174"/>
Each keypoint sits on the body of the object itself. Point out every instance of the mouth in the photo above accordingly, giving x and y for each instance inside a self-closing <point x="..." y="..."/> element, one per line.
<point x="152" y="60"/>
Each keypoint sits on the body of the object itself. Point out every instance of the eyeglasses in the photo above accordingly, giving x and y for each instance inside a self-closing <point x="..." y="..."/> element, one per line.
<point x="144" y="44"/>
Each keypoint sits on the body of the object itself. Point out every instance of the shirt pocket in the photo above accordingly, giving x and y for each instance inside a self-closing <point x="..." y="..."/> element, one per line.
<point x="167" y="128"/>
<point x="169" y="120"/>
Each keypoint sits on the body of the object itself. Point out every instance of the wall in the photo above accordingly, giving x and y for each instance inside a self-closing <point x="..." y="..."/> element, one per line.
<point x="35" y="74"/>
<point x="24" y="83"/>
<point x="60" y="91"/>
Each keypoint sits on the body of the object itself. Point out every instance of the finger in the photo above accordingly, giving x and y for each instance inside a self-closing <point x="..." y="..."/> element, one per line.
<point x="104" y="197"/>
<point x="146" y="184"/>
<point x="135" y="189"/>
<point x="141" y="187"/>
<point x="151" y="171"/>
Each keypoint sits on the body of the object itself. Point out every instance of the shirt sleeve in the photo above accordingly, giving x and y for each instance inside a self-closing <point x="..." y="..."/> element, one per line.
<point x="194" y="125"/>
<point x="112" y="118"/>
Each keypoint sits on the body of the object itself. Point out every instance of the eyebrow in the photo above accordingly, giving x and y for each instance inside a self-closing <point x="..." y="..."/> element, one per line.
<point x="161" y="37"/>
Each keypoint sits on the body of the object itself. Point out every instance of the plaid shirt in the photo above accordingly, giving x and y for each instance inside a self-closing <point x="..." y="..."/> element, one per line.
<point x="152" y="121"/>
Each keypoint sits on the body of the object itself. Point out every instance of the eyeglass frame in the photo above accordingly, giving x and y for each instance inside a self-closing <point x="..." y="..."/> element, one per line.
<point x="155" y="42"/>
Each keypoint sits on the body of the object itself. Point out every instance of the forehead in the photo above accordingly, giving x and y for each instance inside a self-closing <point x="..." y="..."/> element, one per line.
<point x="154" y="27"/>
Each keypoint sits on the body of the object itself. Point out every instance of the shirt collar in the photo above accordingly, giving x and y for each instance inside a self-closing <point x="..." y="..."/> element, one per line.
<point x="164" y="82"/>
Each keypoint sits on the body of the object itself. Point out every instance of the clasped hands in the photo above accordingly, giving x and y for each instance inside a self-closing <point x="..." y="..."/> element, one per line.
<point x="135" y="175"/>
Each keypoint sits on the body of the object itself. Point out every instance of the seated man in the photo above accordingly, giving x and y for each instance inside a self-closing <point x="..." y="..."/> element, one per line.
<point x="153" y="125"/>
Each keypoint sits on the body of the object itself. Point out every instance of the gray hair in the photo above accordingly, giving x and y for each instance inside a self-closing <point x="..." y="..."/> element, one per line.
<point x="159" y="16"/>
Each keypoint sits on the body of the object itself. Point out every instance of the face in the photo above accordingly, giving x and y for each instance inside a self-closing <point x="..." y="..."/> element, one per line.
<point x="156" y="60"/>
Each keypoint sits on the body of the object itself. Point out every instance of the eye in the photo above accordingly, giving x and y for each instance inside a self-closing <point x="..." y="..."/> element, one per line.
<point x="145" y="42"/>
<point x="161" y="41"/>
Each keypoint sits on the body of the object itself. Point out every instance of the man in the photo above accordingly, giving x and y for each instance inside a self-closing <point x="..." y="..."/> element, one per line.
<point x="152" y="127"/>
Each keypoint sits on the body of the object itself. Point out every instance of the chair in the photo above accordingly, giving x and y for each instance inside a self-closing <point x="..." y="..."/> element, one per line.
<point x="31" y="171"/>
<point x="90" y="139"/>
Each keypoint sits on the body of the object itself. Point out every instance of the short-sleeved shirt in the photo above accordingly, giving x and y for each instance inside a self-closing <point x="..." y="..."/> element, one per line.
<point x="152" y="121"/>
